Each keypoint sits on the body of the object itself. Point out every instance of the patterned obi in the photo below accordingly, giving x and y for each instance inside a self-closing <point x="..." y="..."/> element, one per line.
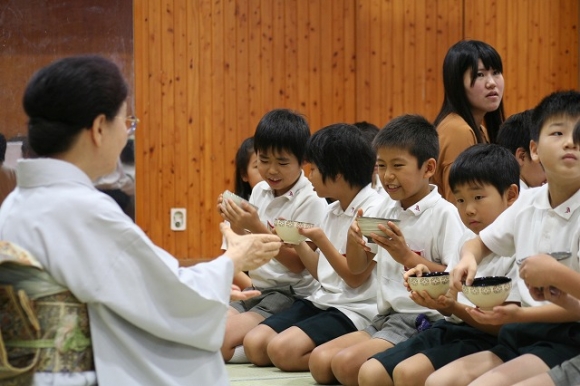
<point x="44" y="328"/>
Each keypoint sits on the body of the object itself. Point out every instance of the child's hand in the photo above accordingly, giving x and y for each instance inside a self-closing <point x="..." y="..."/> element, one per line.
<point x="314" y="234"/>
<point x="536" y="271"/>
<point x="464" y="271"/>
<point x="394" y="242"/>
<point x="422" y="298"/>
<point x="418" y="271"/>
<point x="507" y="313"/>
<point x="237" y="294"/>
<point x="244" y="217"/>
<point x="354" y="234"/>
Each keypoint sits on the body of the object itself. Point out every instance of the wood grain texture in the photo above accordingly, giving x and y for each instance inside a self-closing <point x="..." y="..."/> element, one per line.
<point x="332" y="60"/>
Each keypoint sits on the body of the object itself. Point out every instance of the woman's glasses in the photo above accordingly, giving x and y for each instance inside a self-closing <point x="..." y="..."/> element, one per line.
<point x="131" y="122"/>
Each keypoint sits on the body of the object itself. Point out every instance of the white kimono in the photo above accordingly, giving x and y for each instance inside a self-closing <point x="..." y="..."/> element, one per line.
<point x="152" y="323"/>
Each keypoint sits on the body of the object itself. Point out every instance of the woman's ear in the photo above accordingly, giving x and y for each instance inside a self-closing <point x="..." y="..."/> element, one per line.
<point x="97" y="129"/>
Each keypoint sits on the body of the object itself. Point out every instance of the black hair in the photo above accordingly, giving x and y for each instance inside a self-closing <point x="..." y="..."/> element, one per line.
<point x="342" y="149"/>
<point x="282" y="129"/>
<point x="65" y="97"/>
<point x="368" y="130"/>
<point x="243" y="155"/>
<point x="412" y="133"/>
<point x="462" y="56"/>
<point x="557" y="104"/>
<point x="576" y="134"/>
<point x="3" y="147"/>
<point x="485" y="163"/>
<point x="515" y="132"/>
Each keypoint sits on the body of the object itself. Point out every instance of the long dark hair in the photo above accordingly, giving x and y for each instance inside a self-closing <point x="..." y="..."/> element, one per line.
<point x="462" y="56"/>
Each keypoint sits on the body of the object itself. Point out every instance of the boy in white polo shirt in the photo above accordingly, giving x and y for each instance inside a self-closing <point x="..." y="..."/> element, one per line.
<point x="481" y="195"/>
<point x="428" y="232"/>
<point x="514" y="135"/>
<point x="280" y="141"/>
<point x="539" y="335"/>
<point x="342" y="164"/>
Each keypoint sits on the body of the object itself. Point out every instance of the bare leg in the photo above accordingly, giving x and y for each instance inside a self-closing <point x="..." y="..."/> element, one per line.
<point x="516" y="370"/>
<point x="347" y="363"/>
<point x="256" y="342"/>
<point x="321" y="357"/>
<point x="290" y="350"/>
<point x="237" y="326"/>
<point x="539" y="380"/>
<point x="465" y="370"/>
<point x="373" y="373"/>
<point x="413" y="371"/>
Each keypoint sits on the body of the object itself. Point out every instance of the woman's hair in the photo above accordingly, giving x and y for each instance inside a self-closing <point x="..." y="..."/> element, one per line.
<point x="462" y="56"/>
<point x="243" y="188"/>
<point x="65" y="97"/>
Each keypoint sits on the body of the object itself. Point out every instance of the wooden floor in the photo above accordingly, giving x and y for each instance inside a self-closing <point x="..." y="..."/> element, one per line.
<point x="250" y="375"/>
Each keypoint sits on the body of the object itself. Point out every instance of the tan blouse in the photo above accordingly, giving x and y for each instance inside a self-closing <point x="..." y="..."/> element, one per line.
<point x="455" y="135"/>
<point x="7" y="181"/>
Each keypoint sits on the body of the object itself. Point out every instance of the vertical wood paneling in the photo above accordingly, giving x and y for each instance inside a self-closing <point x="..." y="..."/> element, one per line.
<point x="207" y="70"/>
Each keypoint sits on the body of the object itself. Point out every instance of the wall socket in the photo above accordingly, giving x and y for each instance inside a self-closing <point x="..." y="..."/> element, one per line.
<point x="178" y="218"/>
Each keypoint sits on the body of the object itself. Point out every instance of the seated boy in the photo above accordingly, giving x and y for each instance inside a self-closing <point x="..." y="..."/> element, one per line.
<point x="542" y="220"/>
<point x="407" y="150"/>
<point x="279" y="140"/>
<point x="342" y="164"/>
<point x="484" y="179"/>
<point x="514" y="134"/>
<point x="549" y="280"/>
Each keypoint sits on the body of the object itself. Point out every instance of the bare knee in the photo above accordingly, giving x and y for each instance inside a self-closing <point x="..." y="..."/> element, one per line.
<point x="372" y="373"/>
<point x="281" y="352"/>
<point x="319" y="365"/>
<point x="255" y="345"/>
<point x="346" y="365"/>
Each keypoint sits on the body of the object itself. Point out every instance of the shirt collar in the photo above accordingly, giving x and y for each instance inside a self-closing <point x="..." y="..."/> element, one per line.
<point x="564" y="210"/>
<point x="429" y="201"/>
<point x="294" y="190"/>
<point x="356" y="202"/>
<point x="36" y="172"/>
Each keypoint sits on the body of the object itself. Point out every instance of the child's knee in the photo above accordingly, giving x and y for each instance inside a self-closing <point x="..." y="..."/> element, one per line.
<point x="372" y="372"/>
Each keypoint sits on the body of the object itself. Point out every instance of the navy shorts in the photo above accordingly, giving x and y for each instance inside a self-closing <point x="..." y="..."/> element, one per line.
<point x="443" y="343"/>
<point x="320" y="325"/>
<point x="553" y="343"/>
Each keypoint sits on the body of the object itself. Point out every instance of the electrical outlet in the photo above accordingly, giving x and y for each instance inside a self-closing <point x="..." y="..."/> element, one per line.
<point x="178" y="218"/>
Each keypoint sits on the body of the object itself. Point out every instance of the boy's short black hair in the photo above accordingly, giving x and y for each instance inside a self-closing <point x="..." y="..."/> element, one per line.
<point x="410" y="132"/>
<point x="342" y="149"/>
<point x="485" y="163"/>
<point x="368" y="130"/>
<point x="515" y="132"/>
<point x="282" y="129"/>
<point x="559" y="103"/>
<point x="576" y="134"/>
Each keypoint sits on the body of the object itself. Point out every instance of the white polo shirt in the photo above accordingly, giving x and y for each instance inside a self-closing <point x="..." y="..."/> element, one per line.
<point x="491" y="265"/>
<point x="358" y="304"/>
<point x="300" y="203"/>
<point x="432" y="228"/>
<point x="531" y="226"/>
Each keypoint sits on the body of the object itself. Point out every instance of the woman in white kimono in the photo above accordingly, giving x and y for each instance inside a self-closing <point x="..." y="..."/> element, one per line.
<point x="151" y="322"/>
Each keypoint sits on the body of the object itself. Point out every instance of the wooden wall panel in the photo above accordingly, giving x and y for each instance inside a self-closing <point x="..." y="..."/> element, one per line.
<point x="34" y="33"/>
<point x="212" y="69"/>
<point x="400" y="48"/>
<point x="538" y="43"/>
<point x="206" y="71"/>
